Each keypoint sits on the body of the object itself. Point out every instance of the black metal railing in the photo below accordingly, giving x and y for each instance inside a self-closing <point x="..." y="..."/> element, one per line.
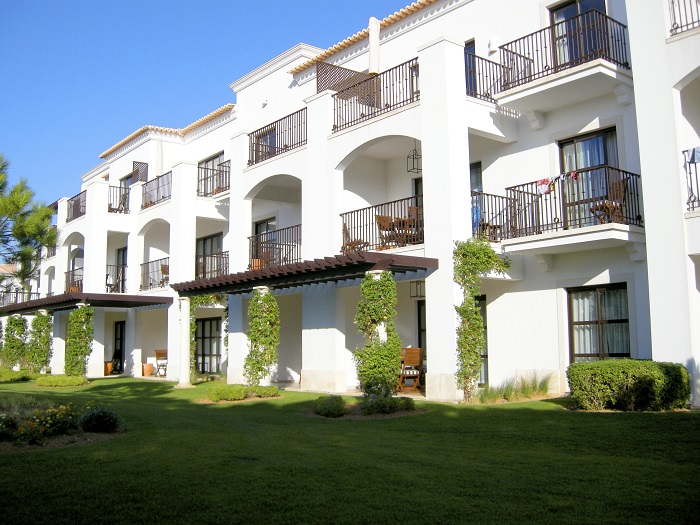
<point x="155" y="274"/>
<point x="17" y="297"/>
<point x="586" y="197"/>
<point x="575" y="41"/>
<point x="685" y="15"/>
<point x="118" y="199"/>
<point x="384" y="226"/>
<point x="379" y="94"/>
<point x="283" y="135"/>
<point x="484" y="77"/>
<point x="692" y="179"/>
<point x="115" y="282"/>
<point x="212" y="181"/>
<point x="209" y="266"/>
<point x="74" y="281"/>
<point x="490" y="215"/>
<point x="275" y="248"/>
<point x="157" y="190"/>
<point x="76" y="206"/>
<point x="50" y="251"/>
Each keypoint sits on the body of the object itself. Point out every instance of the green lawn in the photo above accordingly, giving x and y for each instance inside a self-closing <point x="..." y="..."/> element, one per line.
<point x="267" y="461"/>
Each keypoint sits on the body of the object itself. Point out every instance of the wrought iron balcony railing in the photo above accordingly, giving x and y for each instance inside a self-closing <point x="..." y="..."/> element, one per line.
<point x="384" y="226"/>
<point x="685" y="15"/>
<point x="74" y="280"/>
<point x="484" y="77"/>
<point x="76" y="206"/>
<point x="212" y="181"/>
<point x="209" y="266"/>
<point x="692" y="178"/>
<point x="586" y="197"/>
<point x="275" y="248"/>
<point x="17" y="297"/>
<point x="115" y="281"/>
<point x="155" y="274"/>
<point x="374" y="96"/>
<point x="118" y="199"/>
<point x="575" y="41"/>
<point x="157" y="190"/>
<point x="283" y="135"/>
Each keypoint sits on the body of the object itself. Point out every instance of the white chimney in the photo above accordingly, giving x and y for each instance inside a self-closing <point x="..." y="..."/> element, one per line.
<point x="373" y="45"/>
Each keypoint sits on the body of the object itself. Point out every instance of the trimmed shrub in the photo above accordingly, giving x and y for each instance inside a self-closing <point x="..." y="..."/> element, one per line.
<point x="387" y="405"/>
<point x="228" y="393"/>
<point x="61" y="381"/>
<point x="13" y="350"/>
<point x="628" y="384"/>
<point x="79" y="340"/>
<point x="265" y="391"/>
<point x="40" y="346"/>
<point x="99" y="419"/>
<point x="10" y="376"/>
<point x="8" y="427"/>
<point x="330" y="406"/>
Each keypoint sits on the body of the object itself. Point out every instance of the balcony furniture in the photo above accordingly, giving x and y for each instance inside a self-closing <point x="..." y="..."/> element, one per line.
<point x="161" y="363"/>
<point x="164" y="275"/>
<point x="612" y="208"/>
<point x="388" y="238"/>
<point x="351" y="245"/>
<point x="411" y="366"/>
<point x="488" y="231"/>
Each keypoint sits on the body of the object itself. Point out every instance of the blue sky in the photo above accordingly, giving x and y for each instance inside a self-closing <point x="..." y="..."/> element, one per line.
<point x="78" y="76"/>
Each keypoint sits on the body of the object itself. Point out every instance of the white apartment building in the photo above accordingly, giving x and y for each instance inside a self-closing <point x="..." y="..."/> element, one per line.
<point x="554" y="128"/>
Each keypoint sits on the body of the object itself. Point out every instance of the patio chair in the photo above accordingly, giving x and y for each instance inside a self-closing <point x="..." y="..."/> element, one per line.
<point x="612" y="208"/>
<point x="164" y="275"/>
<point x="351" y="245"/>
<point x="161" y="363"/>
<point x="387" y="235"/>
<point x="411" y="367"/>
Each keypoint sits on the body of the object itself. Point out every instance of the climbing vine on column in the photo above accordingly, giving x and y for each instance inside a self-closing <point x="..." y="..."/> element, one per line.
<point x="13" y="351"/>
<point x="40" y="346"/>
<point x="79" y="340"/>
<point x="378" y="361"/>
<point x="472" y="260"/>
<point x="211" y="299"/>
<point x="263" y="337"/>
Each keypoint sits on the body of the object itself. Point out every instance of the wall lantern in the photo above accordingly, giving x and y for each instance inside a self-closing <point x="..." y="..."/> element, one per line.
<point x="417" y="289"/>
<point x="413" y="161"/>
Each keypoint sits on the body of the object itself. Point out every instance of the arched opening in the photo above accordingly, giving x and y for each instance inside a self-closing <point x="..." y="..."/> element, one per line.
<point x="155" y="268"/>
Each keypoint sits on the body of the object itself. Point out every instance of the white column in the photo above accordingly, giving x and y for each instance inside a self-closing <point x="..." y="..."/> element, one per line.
<point x="184" y="350"/>
<point x="58" y="357"/>
<point x="95" y="247"/>
<point x="445" y="149"/>
<point x="132" y="344"/>
<point x="95" y="364"/>
<point x="183" y="227"/>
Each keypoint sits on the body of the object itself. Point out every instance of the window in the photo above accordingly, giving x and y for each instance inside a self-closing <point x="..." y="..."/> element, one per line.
<point x="265" y="145"/>
<point x="213" y="162"/>
<point x="470" y="68"/>
<point x="477" y="200"/>
<point x="422" y="340"/>
<point x="264" y="243"/>
<point x="118" y="354"/>
<point x="208" y="340"/>
<point x="484" y="373"/>
<point x="598" y="323"/>
<point x="209" y="260"/>
<point x="587" y="151"/>
<point x="578" y="39"/>
<point x="127" y="181"/>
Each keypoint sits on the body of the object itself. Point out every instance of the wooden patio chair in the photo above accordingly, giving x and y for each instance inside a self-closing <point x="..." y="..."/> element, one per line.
<point x="161" y="363"/>
<point x="612" y="208"/>
<point x="411" y="369"/>
<point x="164" y="275"/>
<point x="351" y="245"/>
<point x="387" y="235"/>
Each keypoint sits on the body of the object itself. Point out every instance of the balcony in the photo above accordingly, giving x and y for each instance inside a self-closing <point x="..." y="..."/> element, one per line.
<point x="685" y="15"/>
<point x="118" y="200"/>
<point x="74" y="281"/>
<point x="76" y="206"/>
<point x="586" y="198"/>
<point x="692" y="180"/>
<point x="283" y="135"/>
<point x="210" y="266"/>
<point x="379" y="94"/>
<point x="155" y="274"/>
<point x="212" y="181"/>
<point x="157" y="190"/>
<point x="484" y="77"/>
<point x="275" y="248"/>
<point x="385" y="226"/>
<point x="578" y="59"/>
<point x="17" y="297"/>
<point x="115" y="281"/>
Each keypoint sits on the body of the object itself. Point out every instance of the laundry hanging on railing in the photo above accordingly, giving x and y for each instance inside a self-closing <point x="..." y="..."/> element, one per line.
<point x="543" y="186"/>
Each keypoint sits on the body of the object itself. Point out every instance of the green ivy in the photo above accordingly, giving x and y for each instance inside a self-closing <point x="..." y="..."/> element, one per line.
<point x="79" y="340"/>
<point x="263" y="336"/>
<point x="13" y="351"/>
<point x="472" y="260"/>
<point x="40" y="346"/>
<point x="211" y="299"/>
<point x="378" y="362"/>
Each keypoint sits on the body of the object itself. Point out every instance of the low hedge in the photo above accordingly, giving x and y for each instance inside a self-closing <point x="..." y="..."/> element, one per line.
<point x="61" y="381"/>
<point x="330" y="406"/>
<point x="10" y="376"/>
<point x="628" y="384"/>
<point x="239" y="392"/>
